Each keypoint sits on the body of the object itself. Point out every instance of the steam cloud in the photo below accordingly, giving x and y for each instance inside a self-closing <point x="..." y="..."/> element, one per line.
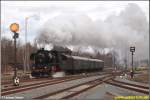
<point x="129" y="27"/>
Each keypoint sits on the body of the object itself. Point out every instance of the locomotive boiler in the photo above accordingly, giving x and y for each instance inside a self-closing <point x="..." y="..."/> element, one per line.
<point x="46" y="62"/>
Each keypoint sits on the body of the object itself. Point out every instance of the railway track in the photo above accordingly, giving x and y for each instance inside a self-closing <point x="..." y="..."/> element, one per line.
<point x="22" y="80"/>
<point x="130" y="86"/>
<point x="7" y="83"/>
<point x="38" y="80"/>
<point x="75" y="90"/>
<point x="136" y="85"/>
<point x="34" y="82"/>
<point x="34" y="86"/>
<point x="13" y="90"/>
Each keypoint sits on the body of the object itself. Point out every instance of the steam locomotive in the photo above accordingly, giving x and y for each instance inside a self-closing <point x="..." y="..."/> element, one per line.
<point x="46" y="62"/>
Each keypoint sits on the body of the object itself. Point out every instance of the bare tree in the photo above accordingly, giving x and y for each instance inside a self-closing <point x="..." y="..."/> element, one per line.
<point x="7" y="54"/>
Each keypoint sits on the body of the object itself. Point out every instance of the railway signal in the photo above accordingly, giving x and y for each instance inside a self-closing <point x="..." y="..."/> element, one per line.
<point x="132" y="50"/>
<point x="14" y="27"/>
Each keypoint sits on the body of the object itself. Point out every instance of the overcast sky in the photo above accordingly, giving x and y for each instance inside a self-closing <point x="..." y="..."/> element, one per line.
<point x="17" y="11"/>
<point x="103" y="24"/>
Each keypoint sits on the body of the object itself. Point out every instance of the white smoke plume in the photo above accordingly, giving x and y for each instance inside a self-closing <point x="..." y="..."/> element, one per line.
<point x="117" y="32"/>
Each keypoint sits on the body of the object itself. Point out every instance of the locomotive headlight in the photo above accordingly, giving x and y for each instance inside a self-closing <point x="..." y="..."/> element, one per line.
<point x="45" y="67"/>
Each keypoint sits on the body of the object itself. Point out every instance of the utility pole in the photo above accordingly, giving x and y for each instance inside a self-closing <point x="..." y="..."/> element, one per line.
<point x="26" y="65"/>
<point x="114" y="60"/>
<point x="125" y="61"/>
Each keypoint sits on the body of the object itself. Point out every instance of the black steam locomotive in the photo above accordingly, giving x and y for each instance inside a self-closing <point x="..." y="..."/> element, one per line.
<point x="46" y="62"/>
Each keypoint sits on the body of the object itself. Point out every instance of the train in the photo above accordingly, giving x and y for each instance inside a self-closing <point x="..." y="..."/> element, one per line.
<point x="47" y="62"/>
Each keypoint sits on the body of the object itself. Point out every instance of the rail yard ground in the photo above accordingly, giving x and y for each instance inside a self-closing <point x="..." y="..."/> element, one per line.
<point x="102" y="85"/>
<point x="143" y="77"/>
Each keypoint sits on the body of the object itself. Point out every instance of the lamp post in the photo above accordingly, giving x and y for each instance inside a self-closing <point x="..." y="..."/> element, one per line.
<point x="14" y="28"/>
<point x="26" y="65"/>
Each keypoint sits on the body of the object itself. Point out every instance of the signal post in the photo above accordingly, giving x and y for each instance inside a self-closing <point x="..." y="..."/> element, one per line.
<point x="14" y="27"/>
<point x="132" y="50"/>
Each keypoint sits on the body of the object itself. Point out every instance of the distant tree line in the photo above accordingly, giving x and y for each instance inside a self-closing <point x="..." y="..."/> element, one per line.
<point x="7" y="54"/>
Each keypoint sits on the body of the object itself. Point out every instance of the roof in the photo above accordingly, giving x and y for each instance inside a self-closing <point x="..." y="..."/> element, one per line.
<point x="61" y="49"/>
<point x="84" y="58"/>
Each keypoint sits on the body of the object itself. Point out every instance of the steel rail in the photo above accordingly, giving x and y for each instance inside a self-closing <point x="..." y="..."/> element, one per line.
<point x="45" y="78"/>
<point x="32" y="84"/>
<point x="53" y="79"/>
<point x="43" y="81"/>
<point x="42" y="85"/>
<point x="35" y="86"/>
<point x="136" y="85"/>
<point x="83" y="90"/>
<point x="128" y="87"/>
<point x="63" y="90"/>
